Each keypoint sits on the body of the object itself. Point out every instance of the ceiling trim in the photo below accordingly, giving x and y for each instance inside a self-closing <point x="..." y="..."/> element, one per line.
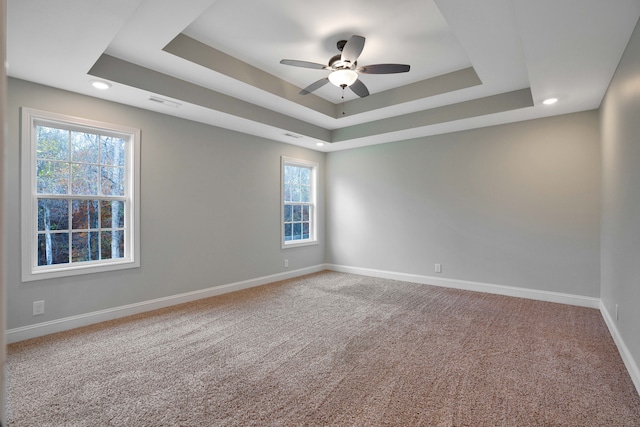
<point x="126" y="73"/>
<point x="213" y="59"/>
<point x="445" y="83"/>
<point x="199" y="53"/>
<point x="448" y="113"/>
<point x="118" y="70"/>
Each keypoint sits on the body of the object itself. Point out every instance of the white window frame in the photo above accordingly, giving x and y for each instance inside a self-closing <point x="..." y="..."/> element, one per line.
<point x="30" y="118"/>
<point x="313" y="232"/>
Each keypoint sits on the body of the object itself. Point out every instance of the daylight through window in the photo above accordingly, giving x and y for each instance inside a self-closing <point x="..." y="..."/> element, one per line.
<point x="80" y="182"/>
<point x="298" y="202"/>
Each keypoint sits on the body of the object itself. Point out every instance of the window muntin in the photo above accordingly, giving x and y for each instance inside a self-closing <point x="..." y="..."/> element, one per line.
<point x="79" y="195"/>
<point x="298" y="202"/>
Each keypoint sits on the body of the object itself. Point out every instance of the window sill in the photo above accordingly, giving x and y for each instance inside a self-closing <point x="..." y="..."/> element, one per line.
<point x="44" y="274"/>
<point x="298" y="243"/>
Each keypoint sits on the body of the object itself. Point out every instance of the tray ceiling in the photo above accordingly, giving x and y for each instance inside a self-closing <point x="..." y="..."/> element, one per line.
<point x="473" y="64"/>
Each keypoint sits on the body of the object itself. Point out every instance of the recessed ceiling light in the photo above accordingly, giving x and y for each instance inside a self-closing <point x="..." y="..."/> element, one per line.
<point x="320" y="144"/>
<point x="550" y="101"/>
<point x="99" y="84"/>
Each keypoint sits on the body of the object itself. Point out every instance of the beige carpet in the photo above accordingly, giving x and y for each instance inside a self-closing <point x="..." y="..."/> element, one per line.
<point x="330" y="349"/>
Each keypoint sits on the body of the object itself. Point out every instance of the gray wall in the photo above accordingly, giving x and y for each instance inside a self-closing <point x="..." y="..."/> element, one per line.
<point x="3" y="91"/>
<point x="620" y="125"/>
<point x="513" y="205"/>
<point x="209" y="205"/>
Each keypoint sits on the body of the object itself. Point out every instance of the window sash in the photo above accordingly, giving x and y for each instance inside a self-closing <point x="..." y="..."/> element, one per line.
<point x="104" y="254"/>
<point x="288" y="228"/>
<point x="31" y="120"/>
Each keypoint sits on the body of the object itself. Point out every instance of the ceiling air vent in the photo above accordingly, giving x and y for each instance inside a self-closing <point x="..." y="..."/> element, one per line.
<point x="291" y="135"/>
<point x="165" y="102"/>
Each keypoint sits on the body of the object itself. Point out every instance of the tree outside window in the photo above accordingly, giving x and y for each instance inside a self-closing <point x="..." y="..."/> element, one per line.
<point x="298" y="202"/>
<point x="84" y="180"/>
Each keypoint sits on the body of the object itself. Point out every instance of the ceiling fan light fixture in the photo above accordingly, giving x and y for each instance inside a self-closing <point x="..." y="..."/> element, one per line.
<point x="344" y="68"/>
<point x="343" y="78"/>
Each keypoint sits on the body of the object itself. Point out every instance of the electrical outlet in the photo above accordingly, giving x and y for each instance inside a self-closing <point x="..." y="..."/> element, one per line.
<point x="438" y="268"/>
<point x="286" y="263"/>
<point x="38" y="308"/>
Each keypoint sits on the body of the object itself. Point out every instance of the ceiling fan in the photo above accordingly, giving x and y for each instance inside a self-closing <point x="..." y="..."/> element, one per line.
<point x="344" y="68"/>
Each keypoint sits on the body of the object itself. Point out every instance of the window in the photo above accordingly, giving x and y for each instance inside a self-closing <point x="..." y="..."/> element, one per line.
<point x="298" y="202"/>
<point x="80" y="201"/>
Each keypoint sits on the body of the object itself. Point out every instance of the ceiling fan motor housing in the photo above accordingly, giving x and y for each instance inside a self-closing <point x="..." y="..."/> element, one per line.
<point x="337" y="64"/>
<point x="335" y="61"/>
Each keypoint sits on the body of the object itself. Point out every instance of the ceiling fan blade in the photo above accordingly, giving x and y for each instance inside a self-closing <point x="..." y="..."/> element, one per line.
<point x="359" y="89"/>
<point x="352" y="50"/>
<point x="383" y="69"/>
<point x="304" y="64"/>
<point x="315" y="85"/>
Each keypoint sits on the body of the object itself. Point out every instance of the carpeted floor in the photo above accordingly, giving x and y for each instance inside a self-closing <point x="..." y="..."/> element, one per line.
<point x="330" y="349"/>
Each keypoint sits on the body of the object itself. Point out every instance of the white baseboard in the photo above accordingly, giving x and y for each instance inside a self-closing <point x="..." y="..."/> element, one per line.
<point x="67" y="323"/>
<point x="534" y="294"/>
<point x="627" y="358"/>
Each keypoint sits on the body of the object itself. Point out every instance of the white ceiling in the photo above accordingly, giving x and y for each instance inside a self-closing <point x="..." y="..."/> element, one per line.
<point x="473" y="63"/>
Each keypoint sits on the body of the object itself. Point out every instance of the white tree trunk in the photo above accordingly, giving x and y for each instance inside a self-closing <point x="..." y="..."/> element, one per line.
<point x="47" y="236"/>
